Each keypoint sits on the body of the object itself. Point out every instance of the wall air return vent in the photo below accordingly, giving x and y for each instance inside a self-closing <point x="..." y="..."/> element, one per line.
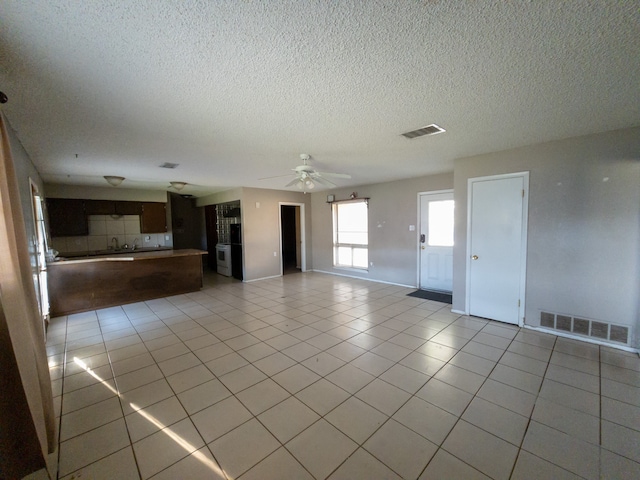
<point x="421" y="132"/>
<point x="169" y="165"/>
<point x="585" y="327"/>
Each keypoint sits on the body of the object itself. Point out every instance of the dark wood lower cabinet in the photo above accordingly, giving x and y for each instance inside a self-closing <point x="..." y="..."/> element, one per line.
<point x="89" y="284"/>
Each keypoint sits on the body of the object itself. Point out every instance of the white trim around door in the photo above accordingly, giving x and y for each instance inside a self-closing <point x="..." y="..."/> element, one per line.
<point x="303" y="239"/>
<point x="494" y="278"/>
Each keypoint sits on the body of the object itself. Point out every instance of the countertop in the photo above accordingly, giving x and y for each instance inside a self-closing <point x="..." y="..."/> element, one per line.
<point x="128" y="257"/>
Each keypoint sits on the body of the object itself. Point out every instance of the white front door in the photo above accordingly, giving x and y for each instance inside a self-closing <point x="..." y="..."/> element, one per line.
<point x="436" y="241"/>
<point x="497" y="247"/>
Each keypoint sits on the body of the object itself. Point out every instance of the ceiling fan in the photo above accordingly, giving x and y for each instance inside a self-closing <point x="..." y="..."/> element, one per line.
<point x="307" y="176"/>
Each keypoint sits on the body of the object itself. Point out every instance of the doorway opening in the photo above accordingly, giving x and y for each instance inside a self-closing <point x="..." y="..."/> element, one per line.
<point x="435" y="269"/>
<point x="292" y="238"/>
<point x="39" y="267"/>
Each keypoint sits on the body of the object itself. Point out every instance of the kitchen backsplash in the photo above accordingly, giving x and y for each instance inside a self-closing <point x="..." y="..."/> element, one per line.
<point x="102" y="230"/>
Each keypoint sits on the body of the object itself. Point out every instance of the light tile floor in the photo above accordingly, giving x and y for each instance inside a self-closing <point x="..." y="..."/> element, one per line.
<point x="317" y="376"/>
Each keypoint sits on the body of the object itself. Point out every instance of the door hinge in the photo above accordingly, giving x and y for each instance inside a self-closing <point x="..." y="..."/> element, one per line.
<point x="523" y="193"/>
<point x="518" y="303"/>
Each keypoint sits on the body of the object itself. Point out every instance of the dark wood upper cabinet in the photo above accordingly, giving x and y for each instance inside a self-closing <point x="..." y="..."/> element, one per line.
<point x="99" y="207"/>
<point x="112" y="207"/>
<point x="128" y="208"/>
<point x="153" y="218"/>
<point x="67" y="217"/>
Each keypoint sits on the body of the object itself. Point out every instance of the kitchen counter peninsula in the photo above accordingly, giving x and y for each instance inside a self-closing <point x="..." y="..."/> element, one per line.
<point x="89" y="283"/>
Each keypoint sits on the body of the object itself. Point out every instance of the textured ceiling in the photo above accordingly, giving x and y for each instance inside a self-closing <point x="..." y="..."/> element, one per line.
<point x="234" y="91"/>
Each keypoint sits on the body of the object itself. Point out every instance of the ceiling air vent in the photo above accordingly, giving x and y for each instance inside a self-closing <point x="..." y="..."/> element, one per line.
<point x="169" y="165"/>
<point x="428" y="130"/>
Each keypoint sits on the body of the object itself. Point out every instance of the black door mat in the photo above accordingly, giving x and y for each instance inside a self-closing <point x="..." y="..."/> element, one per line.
<point x="431" y="295"/>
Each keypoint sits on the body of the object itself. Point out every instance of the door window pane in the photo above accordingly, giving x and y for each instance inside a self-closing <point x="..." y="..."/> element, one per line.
<point x="441" y="223"/>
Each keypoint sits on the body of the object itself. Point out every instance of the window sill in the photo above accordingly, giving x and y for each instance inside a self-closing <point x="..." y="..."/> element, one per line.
<point x="351" y="269"/>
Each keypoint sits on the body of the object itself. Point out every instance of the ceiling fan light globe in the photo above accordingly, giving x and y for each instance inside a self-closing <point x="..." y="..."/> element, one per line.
<point x="178" y="185"/>
<point x="113" y="180"/>
<point x="309" y="184"/>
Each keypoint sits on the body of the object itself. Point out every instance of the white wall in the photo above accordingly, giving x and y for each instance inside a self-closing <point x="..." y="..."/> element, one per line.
<point x="393" y="249"/>
<point x="584" y="225"/>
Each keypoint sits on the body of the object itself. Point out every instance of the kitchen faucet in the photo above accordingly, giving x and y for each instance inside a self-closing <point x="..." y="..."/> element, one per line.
<point x="114" y="243"/>
<point x="135" y="241"/>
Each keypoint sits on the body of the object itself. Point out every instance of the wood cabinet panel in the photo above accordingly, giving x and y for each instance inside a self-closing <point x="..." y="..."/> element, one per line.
<point x="154" y="217"/>
<point x="67" y="217"/>
<point x="78" y="287"/>
<point x="128" y="208"/>
<point x="99" y="207"/>
<point x="112" y="207"/>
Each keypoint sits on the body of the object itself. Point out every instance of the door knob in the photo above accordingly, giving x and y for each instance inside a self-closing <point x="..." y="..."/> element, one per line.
<point x="475" y="257"/>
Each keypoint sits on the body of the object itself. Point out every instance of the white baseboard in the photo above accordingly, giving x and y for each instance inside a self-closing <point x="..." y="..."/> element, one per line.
<point x="363" y="278"/>
<point x="263" y="278"/>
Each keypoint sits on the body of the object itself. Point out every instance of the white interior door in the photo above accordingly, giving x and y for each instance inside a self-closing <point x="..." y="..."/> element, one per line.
<point x="436" y="241"/>
<point x="497" y="246"/>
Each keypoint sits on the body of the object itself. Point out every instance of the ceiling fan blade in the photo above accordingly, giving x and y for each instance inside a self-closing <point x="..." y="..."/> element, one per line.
<point x="334" y="175"/>
<point x="277" y="176"/>
<point x="324" y="181"/>
<point x="292" y="182"/>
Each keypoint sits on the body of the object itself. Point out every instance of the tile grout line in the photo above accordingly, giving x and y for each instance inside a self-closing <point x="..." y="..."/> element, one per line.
<point x="321" y="416"/>
<point x="234" y="350"/>
<point x="529" y="420"/>
<point x="600" y="410"/>
<point x="118" y="394"/>
<point x="440" y="447"/>
<point x="377" y="322"/>
<point x="64" y="371"/>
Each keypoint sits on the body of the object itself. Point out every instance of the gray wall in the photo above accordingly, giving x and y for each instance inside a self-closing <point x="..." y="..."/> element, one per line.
<point x="105" y="193"/>
<point x="25" y="171"/>
<point x="261" y="230"/>
<point x="220" y="197"/>
<point x="583" y="231"/>
<point x="261" y="227"/>
<point x="28" y="375"/>
<point x="393" y="249"/>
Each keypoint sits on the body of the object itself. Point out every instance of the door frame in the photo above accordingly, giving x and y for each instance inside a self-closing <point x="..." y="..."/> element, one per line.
<point x="523" y="241"/>
<point x="41" y="264"/>
<point x="303" y="238"/>
<point x="419" y="229"/>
